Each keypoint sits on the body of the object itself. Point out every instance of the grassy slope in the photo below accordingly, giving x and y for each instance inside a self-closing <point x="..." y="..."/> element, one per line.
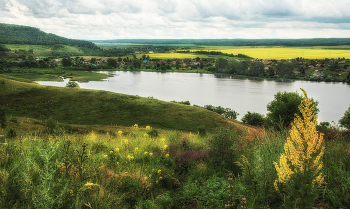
<point x="81" y="106"/>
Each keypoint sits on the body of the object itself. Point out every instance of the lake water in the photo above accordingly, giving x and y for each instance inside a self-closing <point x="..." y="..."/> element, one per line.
<point x="241" y="95"/>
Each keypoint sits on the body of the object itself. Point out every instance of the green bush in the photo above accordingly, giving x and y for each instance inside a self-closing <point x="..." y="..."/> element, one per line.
<point x="254" y="119"/>
<point x="72" y="84"/>
<point x="153" y="133"/>
<point x="222" y="150"/>
<point x="11" y="133"/>
<point x="345" y="120"/>
<point x="2" y="118"/>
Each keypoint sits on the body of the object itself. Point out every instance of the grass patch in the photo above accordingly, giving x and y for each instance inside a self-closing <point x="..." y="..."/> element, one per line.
<point x="82" y="106"/>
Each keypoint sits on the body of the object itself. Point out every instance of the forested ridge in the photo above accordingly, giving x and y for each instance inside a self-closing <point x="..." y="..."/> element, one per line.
<point x="18" y="34"/>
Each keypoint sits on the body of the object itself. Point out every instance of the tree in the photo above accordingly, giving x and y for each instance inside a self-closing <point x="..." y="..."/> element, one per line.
<point x="136" y="63"/>
<point x="93" y="60"/>
<point x="345" y="120"/>
<point x="221" y="65"/>
<point x="256" y="69"/>
<point x="283" y="108"/>
<point x="111" y="62"/>
<point x="253" y="118"/>
<point x="285" y="70"/>
<point x="66" y="62"/>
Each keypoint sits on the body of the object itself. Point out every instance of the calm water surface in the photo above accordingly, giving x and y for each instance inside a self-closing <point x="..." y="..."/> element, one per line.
<point x="242" y="95"/>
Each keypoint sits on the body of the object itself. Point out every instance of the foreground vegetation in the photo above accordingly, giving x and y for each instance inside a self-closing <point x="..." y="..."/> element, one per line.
<point x="42" y="166"/>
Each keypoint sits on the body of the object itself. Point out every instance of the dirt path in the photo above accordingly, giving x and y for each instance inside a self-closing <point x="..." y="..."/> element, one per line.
<point x="244" y="126"/>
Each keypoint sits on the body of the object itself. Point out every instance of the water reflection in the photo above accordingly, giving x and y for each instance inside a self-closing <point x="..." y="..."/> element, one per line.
<point x="240" y="94"/>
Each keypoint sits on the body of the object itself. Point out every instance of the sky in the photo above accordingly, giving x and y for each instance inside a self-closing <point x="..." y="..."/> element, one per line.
<point x="176" y="19"/>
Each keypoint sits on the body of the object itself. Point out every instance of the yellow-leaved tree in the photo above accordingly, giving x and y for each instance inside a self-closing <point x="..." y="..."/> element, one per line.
<point x="299" y="170"/>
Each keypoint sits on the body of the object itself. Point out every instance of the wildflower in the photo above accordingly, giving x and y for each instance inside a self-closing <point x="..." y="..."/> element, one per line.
<point x="151" y="153"/>
<point x="126" y="141"/>
<point x="120" y="132"/>
<point x="167" y="155"/>
<point x="117" y="163"/>
<point x="162" y="139"/>
<point x="117" y="149"/>
<point x="160" y="178"/>
<point x="150" y="175"/>
<point x="146" y="153"/>
<point x="145" y="135"/>
<point x="159" y="171"/>
<point x="136" y="149"/>
<point x="165" y="146"/>
<point x="148" y="127"/>
<point x="105" y="156"/>
<point x="136" y="126"/>
<point x="157" y="182"/>
<point x="145" y="178"/>
<point x="303" y="149"/>
<point x="230" y="179"/>
<point x="111" y="152"/>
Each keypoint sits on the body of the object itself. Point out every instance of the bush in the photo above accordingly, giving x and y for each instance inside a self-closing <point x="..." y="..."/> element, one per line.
<point x="254" y="119"/>
<point x="222" y="150"/>
<point x="153" y="133"/>
<point x="2" y="118"/>
<point x="72" y="84"/>
<point x="11" y="133"/>
<point x="345" y="120"/>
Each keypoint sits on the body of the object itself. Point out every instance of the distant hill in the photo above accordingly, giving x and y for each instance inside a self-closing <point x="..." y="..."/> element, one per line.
<point x="18" y="34"/>
<point x="237" y="42"/>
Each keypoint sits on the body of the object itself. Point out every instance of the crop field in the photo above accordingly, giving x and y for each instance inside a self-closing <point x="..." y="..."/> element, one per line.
<point x="285" y="52"/>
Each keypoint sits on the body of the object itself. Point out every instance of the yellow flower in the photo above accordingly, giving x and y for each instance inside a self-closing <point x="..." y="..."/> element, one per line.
<point x="136" y="149"/>
<point x="146" y="153"/>
<point x="150" y="175"/>
<point x="105" y="156"/>
<point x="145" y="134"/>
<point x="148" y="127"/>
<point x="111" y="152"/>
<point x="136" y="126"/>
<point x="160" y="178"/>
<point x="159" y="171"/>
<point x="126" y="141"/>
<point x="145" y="178"/>
<point x="120" y="132"/>
<point x="167" y="155"/>
<point x="151" y="153"/>
<point x="303" y="148"/>
<point x="165" y="146"/>
<point x="117" y="149"/>
<point x="162" y="139"/>
<point x="117" y="163"/>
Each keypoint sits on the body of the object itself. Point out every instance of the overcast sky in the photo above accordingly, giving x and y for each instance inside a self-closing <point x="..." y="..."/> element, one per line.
<point x="129" y="19"/>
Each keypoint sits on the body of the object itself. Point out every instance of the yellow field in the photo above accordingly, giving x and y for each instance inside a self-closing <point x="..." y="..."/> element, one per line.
<point x="285" y="52"/>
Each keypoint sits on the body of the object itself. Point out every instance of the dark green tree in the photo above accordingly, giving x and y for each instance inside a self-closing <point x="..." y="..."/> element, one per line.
<point x="221" y="65"/>
<point x="66" y="62"/>
<point x="284" y="107"/>
<point x="256" y="69"/>
<point x="112" y="62"/>
<point x="93" y="60"/>
<point x="136" y="63"/>
<point x="253" y="118"/>
<point x="285" y="70"/>
<point x="345" y="120"/>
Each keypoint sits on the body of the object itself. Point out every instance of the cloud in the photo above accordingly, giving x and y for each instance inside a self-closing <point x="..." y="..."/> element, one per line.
<point x="111" y="19"/>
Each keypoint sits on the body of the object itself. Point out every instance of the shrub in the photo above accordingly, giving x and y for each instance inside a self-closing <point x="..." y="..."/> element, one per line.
<point x="2" y="118"/>
<point x="153" y="133"/>
<point x="11" y="133"/>
<point x="72" y="84"/>
<point x="345" y="120"/>
<point x="222" y="150"/>
<point x="254" y="119"/>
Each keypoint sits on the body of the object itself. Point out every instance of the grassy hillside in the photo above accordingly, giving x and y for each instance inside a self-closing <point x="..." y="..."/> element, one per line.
<point x="81" y="106"/>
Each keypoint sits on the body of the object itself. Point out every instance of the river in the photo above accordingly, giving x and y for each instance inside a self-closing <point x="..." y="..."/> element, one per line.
<point x="241" y="95"/>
